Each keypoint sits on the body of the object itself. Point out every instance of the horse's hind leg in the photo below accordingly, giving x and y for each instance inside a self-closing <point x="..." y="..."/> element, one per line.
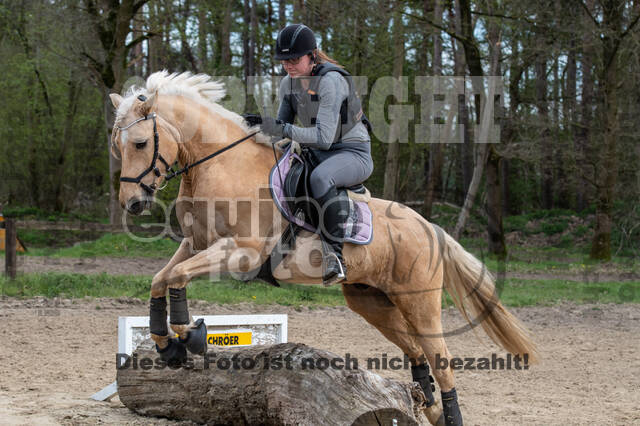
<point x="421" y="307"/>
<point x="376" y="308"/>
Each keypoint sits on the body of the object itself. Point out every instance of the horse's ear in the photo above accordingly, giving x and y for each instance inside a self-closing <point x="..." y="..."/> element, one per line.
<point x="115" y="100"/>
<point x="149" y="103"/>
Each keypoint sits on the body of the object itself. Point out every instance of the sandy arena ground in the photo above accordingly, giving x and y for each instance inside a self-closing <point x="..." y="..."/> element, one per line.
<point x="56" y="353"/>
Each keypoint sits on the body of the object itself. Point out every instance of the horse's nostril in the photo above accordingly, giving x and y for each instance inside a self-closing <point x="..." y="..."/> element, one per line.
<point x="135" y="207"/>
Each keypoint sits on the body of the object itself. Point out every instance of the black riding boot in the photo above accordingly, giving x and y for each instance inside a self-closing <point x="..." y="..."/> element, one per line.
<point x="336" y="211"/>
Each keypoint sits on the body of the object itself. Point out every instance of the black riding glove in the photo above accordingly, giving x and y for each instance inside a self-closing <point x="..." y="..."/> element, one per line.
<point x="273" y="127"/>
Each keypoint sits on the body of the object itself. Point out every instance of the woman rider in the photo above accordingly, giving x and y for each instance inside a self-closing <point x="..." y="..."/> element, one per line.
<point x="321" y="94"/>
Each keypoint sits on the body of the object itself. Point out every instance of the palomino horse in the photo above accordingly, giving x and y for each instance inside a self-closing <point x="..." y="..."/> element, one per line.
<point x="395" y="282"/>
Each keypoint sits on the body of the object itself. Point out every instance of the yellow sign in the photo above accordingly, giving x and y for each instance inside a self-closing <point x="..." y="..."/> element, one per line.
<point x="19" y="246"/>
<point x="229" y="338"/>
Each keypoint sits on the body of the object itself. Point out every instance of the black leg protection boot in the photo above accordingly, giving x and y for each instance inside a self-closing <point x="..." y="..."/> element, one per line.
<point x="450" y="408"/>
<point x="174" y="354"/>
<point x="336" y="210"/>
<point x="178" y="306"/>
<point x="420" y="374"/>
<point x="196" y="339"/>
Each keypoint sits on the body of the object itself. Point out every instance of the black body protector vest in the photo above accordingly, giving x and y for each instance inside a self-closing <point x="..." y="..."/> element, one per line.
<point x="305" y="103"/>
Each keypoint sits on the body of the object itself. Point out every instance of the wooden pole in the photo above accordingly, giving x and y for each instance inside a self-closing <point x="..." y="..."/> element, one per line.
<point x="10" y="246"/>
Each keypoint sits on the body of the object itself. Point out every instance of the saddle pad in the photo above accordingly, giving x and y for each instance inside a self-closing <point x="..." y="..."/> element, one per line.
<point x="359" y="225"/>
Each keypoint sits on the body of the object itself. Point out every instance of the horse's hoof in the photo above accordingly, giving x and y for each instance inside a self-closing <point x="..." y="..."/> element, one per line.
<point x="174" y="354"/>
<point x="196" y="340"/>
<point x="434" y="414"/>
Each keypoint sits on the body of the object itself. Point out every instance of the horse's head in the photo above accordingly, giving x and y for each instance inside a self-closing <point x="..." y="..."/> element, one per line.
<point x="146" y="147"/>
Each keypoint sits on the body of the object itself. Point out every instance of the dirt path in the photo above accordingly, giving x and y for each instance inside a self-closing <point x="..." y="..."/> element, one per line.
<point x="149" y="266"/>
<point x="57" y="353"/>
<point x="92" y="265"/>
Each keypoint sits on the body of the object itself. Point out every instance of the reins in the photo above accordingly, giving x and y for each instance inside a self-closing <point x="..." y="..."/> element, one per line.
<point x="186" y="168"/>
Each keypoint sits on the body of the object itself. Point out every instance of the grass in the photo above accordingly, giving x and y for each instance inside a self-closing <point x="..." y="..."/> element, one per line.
<point x="519" y="292"/>
<point x="67" y="285"/>
<point x="567" y="259"/>
<point x="111" y="245"/>
<point x="34" y="213"/>
<point x="515" y="292"/>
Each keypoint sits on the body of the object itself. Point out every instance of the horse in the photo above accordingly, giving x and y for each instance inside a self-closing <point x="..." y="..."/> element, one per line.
<point x="395" y="282"/>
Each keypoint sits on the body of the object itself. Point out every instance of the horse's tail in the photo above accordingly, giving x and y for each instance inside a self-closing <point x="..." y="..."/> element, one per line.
<point x="473" y="291"/>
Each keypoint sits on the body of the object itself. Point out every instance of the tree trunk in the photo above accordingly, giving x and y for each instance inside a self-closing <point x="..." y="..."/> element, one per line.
<point x="393" y="149"/>
<point x="472" y="58"/>
<point x="271" y="385"/>
<point x="586" y="119"/>
<point x="225" y="36"/>
<point x="495" y="230"/>
<point x="360" y="39"/>
<point x="509" y="129"/>
<point x="436" y="151"/>
<point x="282" y="17"/>
<point x="254" y="39"/>
<point x="73" y="94"/>
<point x="155" y="41"/>
<point x="247" y="57"/>
<point x="136" y="56"/>
<point x="607" y="167"/>
<point x="185" y="47"/>
<point x="466" y="147"/>
<point x="571" y="125"/>
<point x="546" y="161"/>
<point x="203" y="30"/>
<point x="298" y="11"/>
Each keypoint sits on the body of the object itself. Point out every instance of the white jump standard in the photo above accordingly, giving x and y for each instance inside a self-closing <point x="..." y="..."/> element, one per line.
<point x="222" y="330"/>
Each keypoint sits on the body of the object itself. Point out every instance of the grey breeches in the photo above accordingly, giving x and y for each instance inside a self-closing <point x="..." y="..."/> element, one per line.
<point x="340" y="169"/>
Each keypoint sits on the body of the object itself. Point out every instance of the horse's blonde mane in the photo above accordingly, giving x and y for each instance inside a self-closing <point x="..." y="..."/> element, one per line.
<point x="200" y="88"/>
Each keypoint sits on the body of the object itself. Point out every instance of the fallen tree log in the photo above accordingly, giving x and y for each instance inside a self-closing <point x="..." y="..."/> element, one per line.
<point x="276" y="384"/>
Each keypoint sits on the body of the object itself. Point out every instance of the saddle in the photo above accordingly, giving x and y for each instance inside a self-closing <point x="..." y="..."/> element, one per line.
<point x="297" y="188"/>
<point x="291" y="192"/>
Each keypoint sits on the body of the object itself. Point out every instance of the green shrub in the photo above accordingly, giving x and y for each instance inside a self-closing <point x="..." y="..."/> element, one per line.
<point x="580" y="231"/>
<point x="554" y="227"/>
<point x="515" y="223"/>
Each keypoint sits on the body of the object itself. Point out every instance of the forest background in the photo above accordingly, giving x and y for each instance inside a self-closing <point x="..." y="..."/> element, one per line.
<point x="568" y="144"/>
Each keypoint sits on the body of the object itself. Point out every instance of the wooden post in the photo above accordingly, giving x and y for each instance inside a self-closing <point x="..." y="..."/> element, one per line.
<point x="10" y="247"/>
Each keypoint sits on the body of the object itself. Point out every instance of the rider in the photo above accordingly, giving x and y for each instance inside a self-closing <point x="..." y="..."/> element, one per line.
<point x="321" y="94"/>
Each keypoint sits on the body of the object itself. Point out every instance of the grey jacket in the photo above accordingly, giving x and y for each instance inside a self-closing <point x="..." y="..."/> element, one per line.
<point x="320" y="132"/>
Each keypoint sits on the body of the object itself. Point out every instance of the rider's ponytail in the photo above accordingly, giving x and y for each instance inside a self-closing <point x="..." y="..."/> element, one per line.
<point x="321" y="57"/>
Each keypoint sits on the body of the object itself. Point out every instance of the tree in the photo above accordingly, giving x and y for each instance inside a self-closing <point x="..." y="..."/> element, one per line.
<point x="393" y="149"/>
<point x="111" y="22"/>
<point x="613" y="32"/>
<point x="436" y="151"/>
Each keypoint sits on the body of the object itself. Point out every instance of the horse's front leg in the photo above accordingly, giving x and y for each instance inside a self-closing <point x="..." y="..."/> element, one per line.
<point x="170" y="350"/>
<point x="223" y="256"/>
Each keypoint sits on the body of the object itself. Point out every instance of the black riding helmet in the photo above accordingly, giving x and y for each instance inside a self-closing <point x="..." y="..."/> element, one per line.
<point x="294" y="41"/>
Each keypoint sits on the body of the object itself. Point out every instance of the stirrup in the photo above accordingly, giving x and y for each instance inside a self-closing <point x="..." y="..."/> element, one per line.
<point x="336" y="278"/>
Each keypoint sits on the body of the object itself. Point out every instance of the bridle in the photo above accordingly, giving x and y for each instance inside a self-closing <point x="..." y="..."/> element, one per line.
<point x="156" y="156"/>
<point x="169" y="172"/>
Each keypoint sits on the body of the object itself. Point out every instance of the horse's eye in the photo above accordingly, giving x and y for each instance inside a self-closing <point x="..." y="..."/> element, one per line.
<point x="141" y="145"/>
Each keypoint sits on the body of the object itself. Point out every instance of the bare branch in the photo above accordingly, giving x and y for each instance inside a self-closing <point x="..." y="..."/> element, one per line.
<point x="586" y="9"/>
<point x="433" y="24"/>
